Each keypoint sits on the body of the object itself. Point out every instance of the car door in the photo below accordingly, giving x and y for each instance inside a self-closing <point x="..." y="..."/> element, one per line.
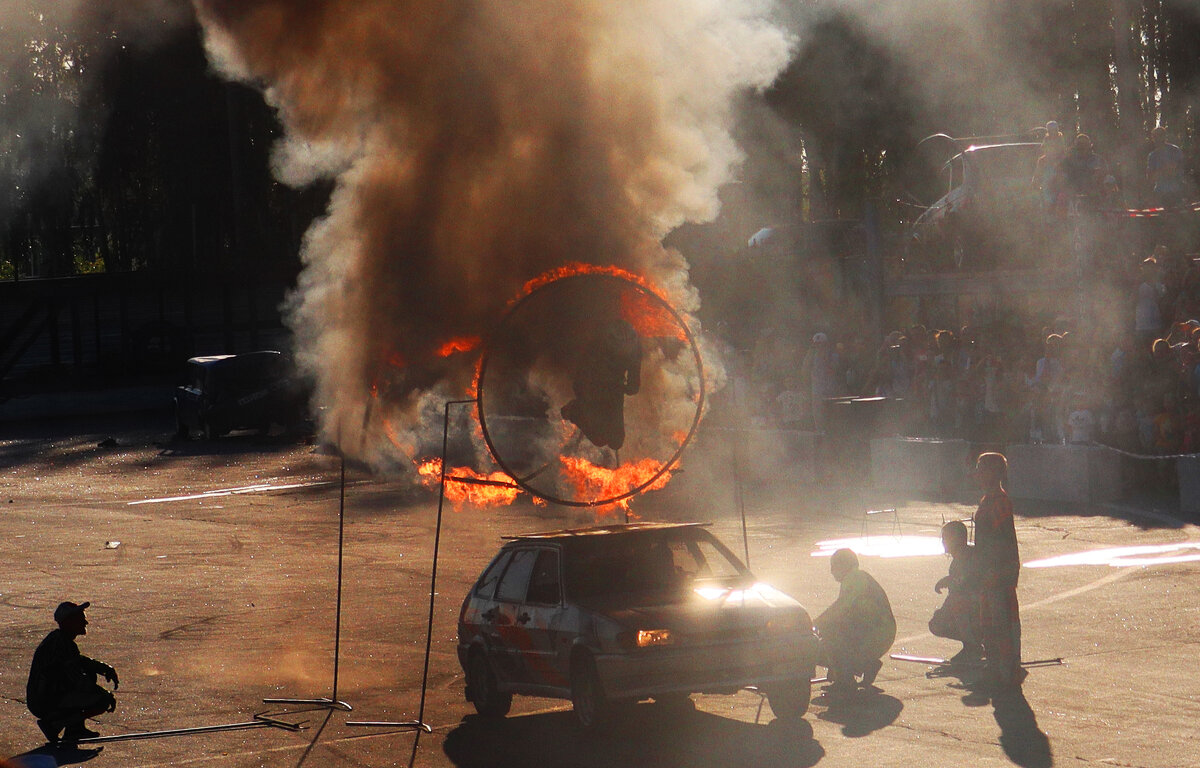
<point x="479" y="613"/>
<point x="545" y="651"/>
<point x="510" y="617"/>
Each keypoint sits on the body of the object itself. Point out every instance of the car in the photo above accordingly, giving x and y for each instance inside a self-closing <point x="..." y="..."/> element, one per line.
<point x="989" y="212"/>
<point x="611" y="615"/>
<point x="252" y="390"/>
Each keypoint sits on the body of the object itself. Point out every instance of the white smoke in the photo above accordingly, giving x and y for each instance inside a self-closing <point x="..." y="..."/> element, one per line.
<point x="476" y="145"/>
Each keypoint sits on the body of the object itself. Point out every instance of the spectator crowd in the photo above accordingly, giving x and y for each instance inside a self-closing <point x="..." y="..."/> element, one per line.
<point x="1002" y="381"/>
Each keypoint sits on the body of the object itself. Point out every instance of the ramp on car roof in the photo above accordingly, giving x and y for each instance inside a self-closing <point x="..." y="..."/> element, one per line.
<point x="603" y="530"/>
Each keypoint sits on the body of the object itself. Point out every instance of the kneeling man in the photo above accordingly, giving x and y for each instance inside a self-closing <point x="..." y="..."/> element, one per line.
<point x="858" y="629"/>
<point x="62" y="690"/>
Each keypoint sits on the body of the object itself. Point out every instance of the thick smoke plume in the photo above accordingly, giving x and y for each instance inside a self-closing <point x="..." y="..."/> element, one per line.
<point x="477" y="144"/>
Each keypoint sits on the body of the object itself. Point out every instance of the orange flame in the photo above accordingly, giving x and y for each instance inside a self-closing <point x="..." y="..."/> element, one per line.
<point x="492" y="489"/>
<point x="579" y="268"/>
<point x="593" y="481"/>
<point x="649" y="319"/>
<point x="461" y="344"/>
<point x="473" y="390"/>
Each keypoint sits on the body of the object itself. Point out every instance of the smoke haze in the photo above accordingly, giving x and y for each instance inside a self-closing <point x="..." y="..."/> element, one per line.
<point x="475" y="146"/>
<point x="51" y="60"/>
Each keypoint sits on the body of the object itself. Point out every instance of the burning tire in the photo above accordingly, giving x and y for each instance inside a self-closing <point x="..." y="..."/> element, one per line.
<point x="483" y="691"/>
<point x="590" y="389"/>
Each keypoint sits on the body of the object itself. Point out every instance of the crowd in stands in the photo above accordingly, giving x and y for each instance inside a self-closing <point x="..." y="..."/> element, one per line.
<point x="995" y="383"/>
<point x="1068" y="170"/>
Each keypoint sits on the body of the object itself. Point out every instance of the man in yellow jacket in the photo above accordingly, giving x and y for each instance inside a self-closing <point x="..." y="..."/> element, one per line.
<point x="858" y="629"/>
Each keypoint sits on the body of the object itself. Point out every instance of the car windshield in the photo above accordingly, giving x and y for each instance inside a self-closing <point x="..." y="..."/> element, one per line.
<point x="665" y="562"/>
<point x="1005" y="165"/>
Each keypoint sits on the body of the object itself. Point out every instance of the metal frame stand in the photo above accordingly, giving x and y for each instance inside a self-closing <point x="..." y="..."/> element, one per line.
<point x="259" y="721"/>
<point x="419" y="725"/>
<point x="871" y="513"/>
<point x="332" y="702"/>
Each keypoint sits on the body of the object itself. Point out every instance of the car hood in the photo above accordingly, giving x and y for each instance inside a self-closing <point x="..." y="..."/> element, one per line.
<point x="703" y="603"/>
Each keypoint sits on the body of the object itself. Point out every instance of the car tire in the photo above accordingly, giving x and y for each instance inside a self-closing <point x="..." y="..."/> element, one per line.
<point x="484" y="691"/>
<point x="206" y="430"/>
<point x="789" y="701"/>
<point x="591" y="705"/>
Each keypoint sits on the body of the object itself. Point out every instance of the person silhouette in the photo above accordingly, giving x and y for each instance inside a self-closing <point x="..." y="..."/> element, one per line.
<point x="999" y="566"/>
<point x="611" y="371"/>
<point x="857" y="629"/>
<point x="62" y="691"/>
<point x="958" y="618"/>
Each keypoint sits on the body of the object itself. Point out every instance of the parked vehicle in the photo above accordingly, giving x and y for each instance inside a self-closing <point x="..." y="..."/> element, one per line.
<point x="615" y="614"/>
<point x="988" y="214"/>
<point x="248" y="391"/>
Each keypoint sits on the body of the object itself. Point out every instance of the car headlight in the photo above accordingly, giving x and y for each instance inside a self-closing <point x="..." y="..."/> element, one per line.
<point x="651" y="637"/>
<point x="787" y="623"/>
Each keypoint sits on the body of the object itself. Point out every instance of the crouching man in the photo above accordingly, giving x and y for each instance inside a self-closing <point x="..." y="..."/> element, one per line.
<point x="858" y="629"/>
<point x="958" y="618"/>
<point x="62" y="690"/>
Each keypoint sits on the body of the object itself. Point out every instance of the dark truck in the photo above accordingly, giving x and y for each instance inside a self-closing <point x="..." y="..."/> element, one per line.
<point x="248" y="391"/>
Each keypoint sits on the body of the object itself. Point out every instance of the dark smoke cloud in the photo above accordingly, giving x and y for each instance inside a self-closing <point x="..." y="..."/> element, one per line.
<point x="477" y="144"/>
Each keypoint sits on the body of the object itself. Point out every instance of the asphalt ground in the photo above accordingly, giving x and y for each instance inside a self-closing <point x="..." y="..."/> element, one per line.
<point x="211" y="571"/>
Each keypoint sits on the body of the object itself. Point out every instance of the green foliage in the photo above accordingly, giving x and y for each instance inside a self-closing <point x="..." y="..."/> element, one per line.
<point x="89" y="265"/>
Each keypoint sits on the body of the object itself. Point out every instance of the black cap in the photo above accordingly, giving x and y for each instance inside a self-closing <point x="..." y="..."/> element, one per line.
<point x="68" y="609"/>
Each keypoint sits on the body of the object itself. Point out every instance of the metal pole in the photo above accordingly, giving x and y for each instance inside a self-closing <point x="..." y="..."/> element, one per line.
<point x="259" y="721"/>
<point x="332" y="702"/>
<point x="741" y="500"/>
<point x="337" y="623"/>
<point x="419" y="725"/>
<point x="437" y="537"/>
<point x="738" y="438"/>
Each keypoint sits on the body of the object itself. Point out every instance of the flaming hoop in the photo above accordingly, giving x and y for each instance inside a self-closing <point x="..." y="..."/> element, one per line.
<point x="590" y="388"/>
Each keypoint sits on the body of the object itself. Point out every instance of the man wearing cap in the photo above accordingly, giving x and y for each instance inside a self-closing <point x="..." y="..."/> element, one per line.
<point x="62" y="690"/>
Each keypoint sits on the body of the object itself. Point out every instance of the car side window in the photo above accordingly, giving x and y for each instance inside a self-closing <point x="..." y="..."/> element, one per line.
<point x="515" y="581"/>
<point x="487" y="582"/>
<point x="684" y="560"/>
<point x="544" y="583"/>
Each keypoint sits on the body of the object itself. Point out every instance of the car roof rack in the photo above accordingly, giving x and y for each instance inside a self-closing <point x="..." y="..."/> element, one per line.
<point x="1032" y="135"/>
<point x="602" y="530"/>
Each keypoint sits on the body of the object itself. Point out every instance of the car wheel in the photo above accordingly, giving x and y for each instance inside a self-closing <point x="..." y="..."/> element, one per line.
<point x="181" y="430"/>
<point x="587" y="694"/>
<point x="483" y="690"/>
<point x="207" y="431"/>
<point x="789" y="701"/>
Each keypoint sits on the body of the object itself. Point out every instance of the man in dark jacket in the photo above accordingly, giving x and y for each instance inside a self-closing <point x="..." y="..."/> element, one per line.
<point x="958" y="618"/>
<point x="62" y="690"/>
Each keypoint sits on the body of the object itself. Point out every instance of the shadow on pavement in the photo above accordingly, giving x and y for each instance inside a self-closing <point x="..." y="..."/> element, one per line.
<point x="861" y="714"/>
<point x="312" y="743"/>
<point x="645" y="736"/>
<point x="1146" y="511"/>
<point x="54" y="755"/>
<point x="1023" y="742"/>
